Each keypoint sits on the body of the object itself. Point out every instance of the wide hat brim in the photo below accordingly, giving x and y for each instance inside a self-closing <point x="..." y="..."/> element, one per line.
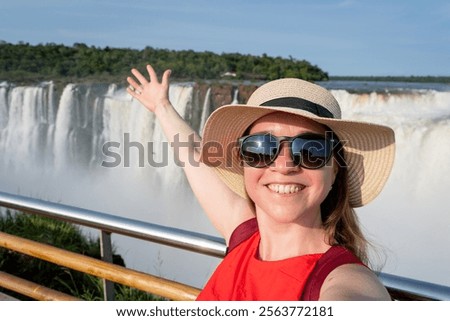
<point x="369" y="149"/>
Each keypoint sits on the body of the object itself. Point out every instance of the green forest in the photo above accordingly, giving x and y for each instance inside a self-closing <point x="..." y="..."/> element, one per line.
<point x="25" y="63"/>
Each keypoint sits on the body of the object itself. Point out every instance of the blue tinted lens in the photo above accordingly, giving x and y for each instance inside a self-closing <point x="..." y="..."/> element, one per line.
<point x="307" y="150"/>
<point x="311" y="151"/>
<point x="259" y="150"/>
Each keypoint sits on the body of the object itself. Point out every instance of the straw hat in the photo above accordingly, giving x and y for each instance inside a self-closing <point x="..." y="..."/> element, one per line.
<point x="368" y="148"/>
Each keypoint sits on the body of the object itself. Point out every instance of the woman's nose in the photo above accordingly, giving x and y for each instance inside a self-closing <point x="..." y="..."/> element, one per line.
<point x="284" y="162"/>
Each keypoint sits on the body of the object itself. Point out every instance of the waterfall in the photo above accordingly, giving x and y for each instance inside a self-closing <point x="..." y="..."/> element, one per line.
<point x="206" y="110"/>
<point x="410" y="217"/>
<point x="95" y="147"/>
<point x="235" y="97"/>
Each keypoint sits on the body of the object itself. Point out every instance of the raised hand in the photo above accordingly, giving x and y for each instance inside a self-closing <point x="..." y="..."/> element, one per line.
<point x="150" y="93"/>
<point x="213" y="194"/>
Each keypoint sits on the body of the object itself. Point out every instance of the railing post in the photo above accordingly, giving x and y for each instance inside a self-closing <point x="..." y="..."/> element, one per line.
<point x="106" y="253"/>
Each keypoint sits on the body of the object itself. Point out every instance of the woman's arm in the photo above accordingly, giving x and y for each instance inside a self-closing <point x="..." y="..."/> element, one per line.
<point x="353" y="282"/>
<point x="225" y="209"/>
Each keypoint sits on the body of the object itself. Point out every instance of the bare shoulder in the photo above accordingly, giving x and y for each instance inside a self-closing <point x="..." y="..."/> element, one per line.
<point x="353" y="282"/>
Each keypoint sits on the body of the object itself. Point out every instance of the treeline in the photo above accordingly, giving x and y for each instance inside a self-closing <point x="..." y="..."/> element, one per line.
<point x="429" y="79"/>
<point x="25" y="62"/>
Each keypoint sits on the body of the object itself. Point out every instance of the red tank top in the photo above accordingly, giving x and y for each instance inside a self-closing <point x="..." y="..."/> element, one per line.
<point x="242" y="276"/>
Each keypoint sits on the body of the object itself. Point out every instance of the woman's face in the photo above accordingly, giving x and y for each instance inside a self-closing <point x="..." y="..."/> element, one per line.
<point x="283" y="192"/>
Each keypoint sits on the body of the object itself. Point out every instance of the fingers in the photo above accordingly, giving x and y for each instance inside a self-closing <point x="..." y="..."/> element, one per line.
<point x="154" y="76"/>
<point x="136" y="87"/>
<point x="152" y="73"/>
<point x="132" y="92"/>
<point x="165" y="77"/>
<point x="133" y="83"/>
<point x="139" y="76"/>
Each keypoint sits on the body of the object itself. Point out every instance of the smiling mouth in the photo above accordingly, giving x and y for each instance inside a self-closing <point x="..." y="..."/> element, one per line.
<point x="285" y="188"/>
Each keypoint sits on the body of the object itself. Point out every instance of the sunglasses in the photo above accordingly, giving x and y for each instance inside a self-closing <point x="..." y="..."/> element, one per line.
<point x="311" y="151"/>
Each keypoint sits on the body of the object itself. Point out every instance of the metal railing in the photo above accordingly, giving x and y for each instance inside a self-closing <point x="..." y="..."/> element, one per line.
<point x="85" y="264"/>
<point x="399" y="287"/>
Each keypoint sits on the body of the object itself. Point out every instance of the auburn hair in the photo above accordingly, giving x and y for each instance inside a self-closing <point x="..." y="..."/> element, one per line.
<point x="338" y="217"/>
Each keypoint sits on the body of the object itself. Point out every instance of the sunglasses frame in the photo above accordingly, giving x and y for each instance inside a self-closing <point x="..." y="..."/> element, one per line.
<point x="329" y="141"/>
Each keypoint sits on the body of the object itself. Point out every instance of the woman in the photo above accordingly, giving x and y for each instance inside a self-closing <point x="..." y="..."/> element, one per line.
<point x="279" y="178"/>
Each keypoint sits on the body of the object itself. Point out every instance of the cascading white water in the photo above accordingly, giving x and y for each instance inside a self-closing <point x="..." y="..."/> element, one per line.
<point x="24" y="136"/>
<point x="206" y="110"/>
<point x="235" y="97"/>
<point x="97" y="148"/>
<point x="145" y="184"/>
<point x="410" y="219"/>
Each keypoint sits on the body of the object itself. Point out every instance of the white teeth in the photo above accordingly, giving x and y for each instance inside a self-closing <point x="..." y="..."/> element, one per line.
<point x="285" y="189"/>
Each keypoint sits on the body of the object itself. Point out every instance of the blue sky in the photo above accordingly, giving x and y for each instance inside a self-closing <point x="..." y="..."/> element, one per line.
<point x="343" y="37"/>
